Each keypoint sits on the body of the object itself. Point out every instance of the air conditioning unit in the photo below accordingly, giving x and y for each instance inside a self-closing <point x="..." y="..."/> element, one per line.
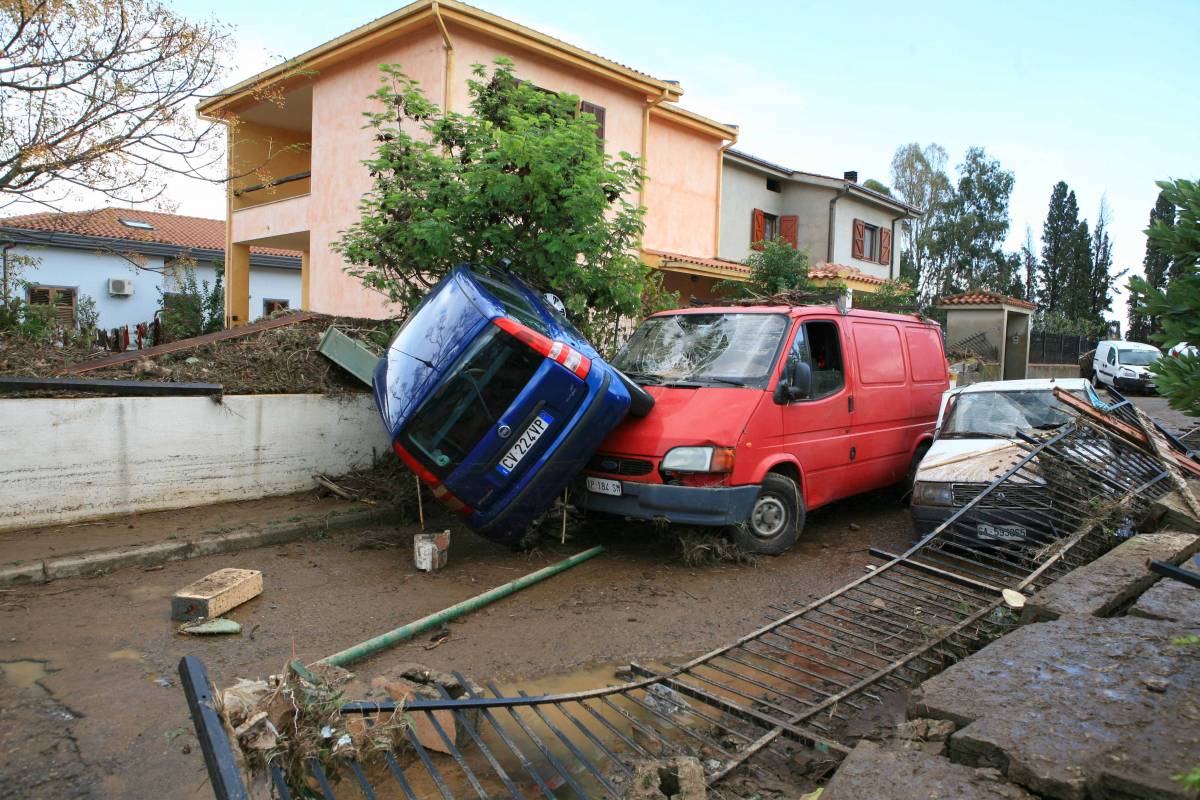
<point x="120" y="287"/>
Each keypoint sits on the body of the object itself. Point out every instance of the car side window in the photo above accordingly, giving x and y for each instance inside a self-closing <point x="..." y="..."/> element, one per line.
<point x="1111" y="358"/>
<point x="818" y="345"/>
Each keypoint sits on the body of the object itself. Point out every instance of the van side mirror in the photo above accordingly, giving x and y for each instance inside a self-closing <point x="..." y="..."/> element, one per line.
<point x="795" y="383"/>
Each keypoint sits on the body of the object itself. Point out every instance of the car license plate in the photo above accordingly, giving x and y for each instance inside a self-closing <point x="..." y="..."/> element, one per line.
<point x="603" y="486"/>
<point x="524" y="443"/>
<point x="1001" y="533"/>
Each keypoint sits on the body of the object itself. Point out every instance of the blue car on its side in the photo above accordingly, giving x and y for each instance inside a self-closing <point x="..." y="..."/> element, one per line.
<point x="494" y="399"/>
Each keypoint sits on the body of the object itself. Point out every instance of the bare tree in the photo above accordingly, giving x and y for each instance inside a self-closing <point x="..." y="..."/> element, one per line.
<point x="98" y="95"/>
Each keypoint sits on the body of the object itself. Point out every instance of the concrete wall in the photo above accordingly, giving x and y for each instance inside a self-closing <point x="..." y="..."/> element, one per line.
<point x="78" y="459"/>
<point x="88" y="272"/>
<point x="962" y="323"/>
<point x="1053" y="371"/>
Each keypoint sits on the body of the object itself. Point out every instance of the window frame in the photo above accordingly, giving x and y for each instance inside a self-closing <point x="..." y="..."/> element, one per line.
<point x="52" y="291"/>
<point x="801" y="337"/>
<point x="870" y="242"/>
<point x="770" y="226"/>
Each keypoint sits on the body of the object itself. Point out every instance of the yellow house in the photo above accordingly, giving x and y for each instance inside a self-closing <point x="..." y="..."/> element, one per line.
<point x="296" y="144"/>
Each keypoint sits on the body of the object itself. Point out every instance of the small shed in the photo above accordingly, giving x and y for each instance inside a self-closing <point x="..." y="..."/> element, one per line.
<point x="991" y="325"/>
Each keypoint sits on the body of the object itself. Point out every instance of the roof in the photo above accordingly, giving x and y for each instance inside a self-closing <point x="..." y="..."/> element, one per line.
<point x="1027" y="385"/>
<point x="827" y="271"/>
<point x="380" y="29"/>
<point x="824" y="180"/>
<point x="978" y="298"/>
<point x="174" y="230"/>
<point x="721" y="264"/>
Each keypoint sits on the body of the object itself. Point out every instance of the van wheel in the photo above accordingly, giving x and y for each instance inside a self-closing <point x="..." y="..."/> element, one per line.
<point x="775" y="520"/>
<point x="640" y="401"/>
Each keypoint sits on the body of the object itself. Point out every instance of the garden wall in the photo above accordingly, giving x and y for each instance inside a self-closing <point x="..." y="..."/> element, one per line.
<point x="66" y="460"/>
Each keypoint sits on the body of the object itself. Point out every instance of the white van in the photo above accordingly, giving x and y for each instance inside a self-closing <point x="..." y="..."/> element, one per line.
<point x="1123" y="365"/>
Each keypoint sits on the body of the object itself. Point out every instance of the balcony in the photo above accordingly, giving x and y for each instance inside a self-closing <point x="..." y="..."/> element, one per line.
<point x="286" y="217"/>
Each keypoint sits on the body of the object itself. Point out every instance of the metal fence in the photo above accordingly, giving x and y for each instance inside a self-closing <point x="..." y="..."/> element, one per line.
<point x="1058" y="348"/>
<point x="798" y="681"/>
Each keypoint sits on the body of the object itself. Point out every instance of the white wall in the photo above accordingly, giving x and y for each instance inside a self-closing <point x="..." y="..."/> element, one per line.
<point x="848" y="209"/>
<point x="742" y="191"/>
<point x="66" y="460"/>
<point x="88" y="272"/>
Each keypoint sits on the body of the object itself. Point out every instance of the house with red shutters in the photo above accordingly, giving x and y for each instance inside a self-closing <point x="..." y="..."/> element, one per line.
<point x="850" y="232"/>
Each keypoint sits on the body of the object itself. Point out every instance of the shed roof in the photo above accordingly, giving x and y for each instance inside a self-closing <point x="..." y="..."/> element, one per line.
<point x="978" y="298"/>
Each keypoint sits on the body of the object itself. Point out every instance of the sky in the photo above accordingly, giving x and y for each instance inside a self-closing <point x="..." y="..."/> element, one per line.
<point x="1099" y="94"/>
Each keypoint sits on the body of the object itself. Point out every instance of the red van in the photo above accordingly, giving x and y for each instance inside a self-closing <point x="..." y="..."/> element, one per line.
<point x="765" y="412"/>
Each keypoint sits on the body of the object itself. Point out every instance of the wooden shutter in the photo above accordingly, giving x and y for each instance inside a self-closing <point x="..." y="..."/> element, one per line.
<point x="64" y="306"/>
<point x="596" y="111"/>
<point x="789" y="229"/>
<point x="758" y="228"/>
<point x="39" y="296"/>
<point x="885" y="246"/>
<point x="860" y="235"/>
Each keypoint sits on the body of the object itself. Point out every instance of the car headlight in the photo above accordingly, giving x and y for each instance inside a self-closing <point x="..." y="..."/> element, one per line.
<point x="929" y="493"/>
<point x="698" y="459"/>
<point x="1126" y="371"/>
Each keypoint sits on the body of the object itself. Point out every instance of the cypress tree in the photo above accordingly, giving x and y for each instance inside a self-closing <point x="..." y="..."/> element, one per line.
<point x="1059" y="248"/>
<point x="1157" y="267"/>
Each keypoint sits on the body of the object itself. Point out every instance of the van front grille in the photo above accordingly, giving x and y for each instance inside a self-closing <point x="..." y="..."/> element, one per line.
<point x="616" y="465"/>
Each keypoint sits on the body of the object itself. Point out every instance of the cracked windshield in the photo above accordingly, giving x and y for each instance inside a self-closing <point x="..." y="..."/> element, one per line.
<point x="704" y="349"/>
<point x="1002" y="414"/>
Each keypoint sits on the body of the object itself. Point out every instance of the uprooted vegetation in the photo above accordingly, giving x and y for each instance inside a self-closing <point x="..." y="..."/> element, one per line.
<point x="281" y="360"/>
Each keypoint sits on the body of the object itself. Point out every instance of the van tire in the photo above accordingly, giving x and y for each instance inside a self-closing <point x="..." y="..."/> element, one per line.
<point x="640" y="401"/>
<point x="776" y="518"/>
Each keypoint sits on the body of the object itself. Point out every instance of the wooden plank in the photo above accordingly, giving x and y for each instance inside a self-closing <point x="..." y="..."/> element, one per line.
<point x="216" y="593"/>
<point x="16" y="383"/>
<point x="185" y="344"/>
<point x="1122" y="428"/>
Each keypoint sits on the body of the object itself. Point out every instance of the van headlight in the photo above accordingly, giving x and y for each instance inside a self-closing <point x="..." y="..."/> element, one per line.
<point x="931" y="493"/>
<point x="698" y="459"/>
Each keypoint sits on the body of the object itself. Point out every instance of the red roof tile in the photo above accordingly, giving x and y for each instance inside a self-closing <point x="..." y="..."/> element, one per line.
<point x="826" y="271"/>
<point x="984" y="299"/>
<point x="713" y="263"/>
<point x="105" y="223"/>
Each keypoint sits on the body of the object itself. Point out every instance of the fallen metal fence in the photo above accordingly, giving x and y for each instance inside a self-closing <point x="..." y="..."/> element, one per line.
<point x="801" y="678"/>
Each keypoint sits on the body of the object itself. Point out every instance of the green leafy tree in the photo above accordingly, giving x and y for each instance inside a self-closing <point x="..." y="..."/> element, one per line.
<point x="521" y="180"/>
<point x="1156" y="266"/>
<point x="919" y="178"/>
<point x="1065" y="276"/>
<point x="775" y="268"/>
<point x="195" y="307"/>
<point x="968" y="238"/>
<point x="877" y="186"/>
<point x="1178" y="307"/>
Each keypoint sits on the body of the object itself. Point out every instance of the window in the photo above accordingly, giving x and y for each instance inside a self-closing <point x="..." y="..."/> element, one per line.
<point x="704" y="349"/>
<point x="773" y="185"/>
<point x="479" y="389"/>
<point x="866" y="242"/>
<point x="1111" y="358"/>
<point x="770" y="227"/>
<point x="596" y="111"/>
<point x="817" y="345"/>
<point x="270" y="306"/>
<point x="135" y="223"/>
<point x="763" y="227"/>
<point x="514" y="301"/>
<point x="61" y="298"/>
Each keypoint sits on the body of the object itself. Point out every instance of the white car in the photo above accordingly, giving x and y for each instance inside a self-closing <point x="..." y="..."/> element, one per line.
<point x="976" y="443"/>
<point x="1124" y="365"/>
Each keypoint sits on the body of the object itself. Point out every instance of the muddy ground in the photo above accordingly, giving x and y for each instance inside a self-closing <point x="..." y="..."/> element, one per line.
<point x="90" y="704"/>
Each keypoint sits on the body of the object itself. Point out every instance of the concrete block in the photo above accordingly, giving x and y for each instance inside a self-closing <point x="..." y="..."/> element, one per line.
<point x="1170" y="599"/>
<point x="1172" y="511"/>
<point x="1112" y="581"/>
<point x="18" y="574"/>
<point x="216" y="593"/>
<point x="906" y="772"/>
<point x="1076" y="708"/>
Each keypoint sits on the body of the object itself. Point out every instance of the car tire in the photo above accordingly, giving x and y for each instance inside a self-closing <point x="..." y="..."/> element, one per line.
<point x="640" y="401"/>
<point x="775" y="520"/>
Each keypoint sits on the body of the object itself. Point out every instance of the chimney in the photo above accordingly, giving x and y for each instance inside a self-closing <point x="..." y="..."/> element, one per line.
<point x="850" y="175"/>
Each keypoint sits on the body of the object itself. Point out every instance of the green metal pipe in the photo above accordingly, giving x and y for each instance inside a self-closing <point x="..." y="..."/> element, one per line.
<point x="372" y="646"/>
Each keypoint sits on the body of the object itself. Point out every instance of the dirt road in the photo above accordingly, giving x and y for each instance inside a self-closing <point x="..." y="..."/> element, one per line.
<point x="90" y="704"/>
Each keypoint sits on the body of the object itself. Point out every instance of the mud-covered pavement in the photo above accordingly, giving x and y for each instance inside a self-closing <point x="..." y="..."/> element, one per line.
<point x="90" y="704"/>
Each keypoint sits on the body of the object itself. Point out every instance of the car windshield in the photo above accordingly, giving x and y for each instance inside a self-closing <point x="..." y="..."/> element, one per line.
<point x="706" y="349"/>
<point x="1002" y="414"/>
<point x="1139" y="357"/>
<point x="477" y="391"/>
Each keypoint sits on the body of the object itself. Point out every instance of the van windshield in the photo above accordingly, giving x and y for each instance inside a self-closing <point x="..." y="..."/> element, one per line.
<point x="477" y="391"/>
<point x="704" y="349"/>
<point x="1002" y="414"/>
<point x="1139" y="357"/>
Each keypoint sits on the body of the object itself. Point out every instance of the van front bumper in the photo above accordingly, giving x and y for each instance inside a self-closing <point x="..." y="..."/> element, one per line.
<point x="1135" y="384"/>
<point x="687" y="505"/>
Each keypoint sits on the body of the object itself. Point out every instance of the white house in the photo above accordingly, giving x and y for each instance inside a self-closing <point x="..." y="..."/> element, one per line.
<point x="126" y="259"/>
<point x="847" y="229"/>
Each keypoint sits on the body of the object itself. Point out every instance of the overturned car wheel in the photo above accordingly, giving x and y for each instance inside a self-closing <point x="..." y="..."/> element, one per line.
<point x="775" y="520"/>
